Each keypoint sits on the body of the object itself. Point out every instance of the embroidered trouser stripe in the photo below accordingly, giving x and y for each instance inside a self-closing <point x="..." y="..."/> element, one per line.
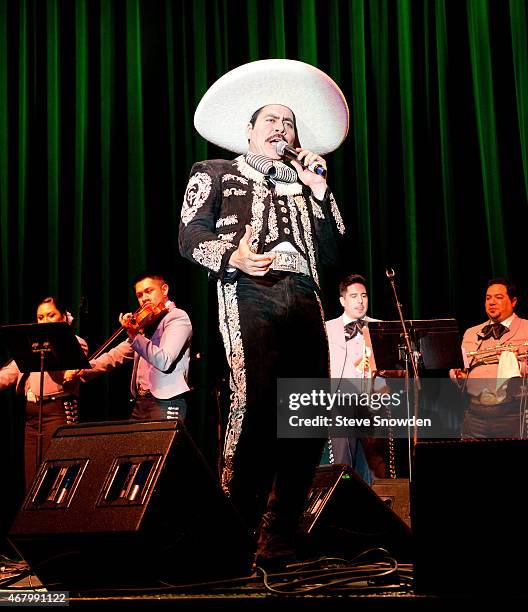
<point x="230" y="330"/>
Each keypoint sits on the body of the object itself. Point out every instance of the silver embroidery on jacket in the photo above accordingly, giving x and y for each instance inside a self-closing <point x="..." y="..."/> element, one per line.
<point x="197" y="192"/>
<point x="288" y="189"/>
<point x="233" y="191"/>
<point x="307" y="228"/>
<point x="210" y="253"/>
<point x="260" y="193"/>
<point x="229" y="220"/>
<point x="234" y="177"/>
<point x="273" y="230"/>
<point x="230" y="330"/>
<point x="337" y="215"/>
<point x="294" y="217"/>
<point x="229" y="237"/>
<point x="317" y="210"/>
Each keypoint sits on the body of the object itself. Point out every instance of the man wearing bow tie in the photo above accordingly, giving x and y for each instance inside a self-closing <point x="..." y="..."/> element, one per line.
<point x="351" y="357"/>
<point x="490" y="377"/>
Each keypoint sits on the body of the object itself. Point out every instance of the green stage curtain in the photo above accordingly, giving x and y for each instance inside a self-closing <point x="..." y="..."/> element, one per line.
<point x="97" y="141"/>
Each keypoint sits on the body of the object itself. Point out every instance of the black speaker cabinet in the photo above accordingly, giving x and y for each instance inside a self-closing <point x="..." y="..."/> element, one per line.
<point x="128" y="505"/>
<point x="469" y="511"/>
<point x="344" y="516"/>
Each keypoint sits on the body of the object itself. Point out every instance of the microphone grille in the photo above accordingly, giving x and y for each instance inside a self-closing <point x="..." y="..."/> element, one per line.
<point x="280" y="146"/>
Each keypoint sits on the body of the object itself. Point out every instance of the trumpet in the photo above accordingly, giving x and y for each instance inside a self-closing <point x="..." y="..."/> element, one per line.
<point x="488" y="355"/>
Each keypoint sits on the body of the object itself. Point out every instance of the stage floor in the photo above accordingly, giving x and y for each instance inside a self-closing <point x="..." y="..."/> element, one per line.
<point x="328" y="585"/>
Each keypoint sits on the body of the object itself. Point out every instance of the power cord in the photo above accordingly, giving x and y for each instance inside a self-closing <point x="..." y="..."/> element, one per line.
<point x="330" y="573"/>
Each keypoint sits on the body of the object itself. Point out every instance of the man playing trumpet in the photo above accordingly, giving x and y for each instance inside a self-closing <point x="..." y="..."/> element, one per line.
<point x="495" y="359"/>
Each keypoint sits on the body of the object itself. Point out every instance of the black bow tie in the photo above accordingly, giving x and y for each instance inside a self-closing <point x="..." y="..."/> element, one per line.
<point x="492" y="330"/>
<point x="354" y="328"/>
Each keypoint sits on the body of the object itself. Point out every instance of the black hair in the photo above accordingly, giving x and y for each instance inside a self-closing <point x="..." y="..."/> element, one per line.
<point x="511" y="289"/>
<point x="155" y="274"/>
<point x="351" y="279"/>
<point x="255" y="115"/>
<point x="51" y="299"/>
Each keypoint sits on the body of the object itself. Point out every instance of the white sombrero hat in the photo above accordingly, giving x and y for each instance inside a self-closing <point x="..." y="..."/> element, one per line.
<point x="319" y="106"/>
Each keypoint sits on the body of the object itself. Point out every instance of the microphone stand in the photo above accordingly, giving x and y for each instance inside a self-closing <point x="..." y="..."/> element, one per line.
<point x="409" y="355"/>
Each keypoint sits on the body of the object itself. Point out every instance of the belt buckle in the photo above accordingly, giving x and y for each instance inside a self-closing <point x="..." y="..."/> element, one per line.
<point x="286" y="262"/>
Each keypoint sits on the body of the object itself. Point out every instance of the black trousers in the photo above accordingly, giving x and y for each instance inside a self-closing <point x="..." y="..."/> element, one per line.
<point x="272" y="327"/>
<point x="53" y="415"/>
<point x="153" y="409"/>
<point x="500" y="421"/>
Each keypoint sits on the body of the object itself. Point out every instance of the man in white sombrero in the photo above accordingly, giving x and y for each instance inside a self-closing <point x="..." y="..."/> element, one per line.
<point x="262" y="227"/>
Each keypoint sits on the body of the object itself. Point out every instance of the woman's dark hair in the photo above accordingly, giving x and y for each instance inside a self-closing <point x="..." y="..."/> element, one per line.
<point x="57" y="303"/>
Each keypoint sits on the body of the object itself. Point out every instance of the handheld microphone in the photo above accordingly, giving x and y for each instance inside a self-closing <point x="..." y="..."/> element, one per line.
<point x="284" y="150"/>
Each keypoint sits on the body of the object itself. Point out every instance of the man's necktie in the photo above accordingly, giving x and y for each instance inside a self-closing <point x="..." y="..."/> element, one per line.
<point x="492" y="330"/>
<point x="354" y="328"/>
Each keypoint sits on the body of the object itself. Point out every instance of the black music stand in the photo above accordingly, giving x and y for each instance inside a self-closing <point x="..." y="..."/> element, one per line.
<point x="43" y="347"/>
<point x="436" y="343"/>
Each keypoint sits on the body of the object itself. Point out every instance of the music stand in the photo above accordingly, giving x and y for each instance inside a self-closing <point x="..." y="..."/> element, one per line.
<point x="43" y="347"/>
<point x="436" y="341"/>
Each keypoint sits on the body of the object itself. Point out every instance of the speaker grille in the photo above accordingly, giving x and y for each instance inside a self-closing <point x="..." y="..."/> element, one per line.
<point x="128" y="504"/>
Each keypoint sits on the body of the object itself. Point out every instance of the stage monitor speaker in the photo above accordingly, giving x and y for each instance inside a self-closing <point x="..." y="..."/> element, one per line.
<point x="122" y="505"/>
<point x="344" y="516"/>
<point x="394" y="493"/>
<point x="468" y="515"/>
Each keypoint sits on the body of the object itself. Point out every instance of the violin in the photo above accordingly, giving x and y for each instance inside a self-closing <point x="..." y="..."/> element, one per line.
<point x="144" y="316"/>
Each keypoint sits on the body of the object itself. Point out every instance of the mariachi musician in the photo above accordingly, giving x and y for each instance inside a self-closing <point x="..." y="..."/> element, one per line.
<point x="159" y="343"/>
<point x="59" y="401"/>
<point x="495" y="358"/>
